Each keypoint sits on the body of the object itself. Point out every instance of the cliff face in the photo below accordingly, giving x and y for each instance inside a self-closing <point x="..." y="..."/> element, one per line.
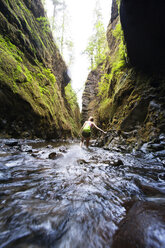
<point x="33" y="75"/>
<point x="143" y="25"/>
<point x="90" y="99"/>
<point x="131" y="97"/>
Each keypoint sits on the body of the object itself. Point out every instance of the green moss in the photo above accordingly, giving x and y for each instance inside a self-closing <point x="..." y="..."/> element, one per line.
<point x="44" y="24"/>
<point x="35" y="83"/>
<point x="71" y="96"/>
<point x="119" y="60"/>
<point x="117" y="63"/>
<point x="104" y="109"/>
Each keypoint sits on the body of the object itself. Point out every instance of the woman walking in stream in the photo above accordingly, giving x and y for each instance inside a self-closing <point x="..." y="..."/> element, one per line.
<point x="86" y="131"/>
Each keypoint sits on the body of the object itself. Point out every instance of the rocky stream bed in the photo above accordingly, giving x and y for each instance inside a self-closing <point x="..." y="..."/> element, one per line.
<point x="56" y="194"/>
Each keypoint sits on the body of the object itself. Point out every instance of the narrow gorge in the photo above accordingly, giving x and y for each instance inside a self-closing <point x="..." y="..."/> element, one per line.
<point x="55" y="193"/>
<point x="126" y="92"/>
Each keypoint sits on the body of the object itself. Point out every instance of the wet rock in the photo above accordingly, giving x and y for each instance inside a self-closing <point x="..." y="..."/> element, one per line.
<point x="148" y="189"/>
<point x="26" y="148"/>
<point x="82" y="161"/>
<point x="2" y="167"/>
<point x="3" y="176"/>
<point x="98" y="143"/>
<point x="162" y="137"/>
<point x="49" y="146"/>
<point x="55" y="155"/>
<point x="63" y="149"/>
<point x="95" y="157"/>
<point x="160" y="154"/>
<point x="143" y="148"/>
<point x="34" y="155"/>
<point x="156" y="147"/>
<point x="116" y="162"/>
<point x="127" y="135"/>
<point x="11" y="143"/>
<point x="142" y="227"/>
<point x="161" y="176"/>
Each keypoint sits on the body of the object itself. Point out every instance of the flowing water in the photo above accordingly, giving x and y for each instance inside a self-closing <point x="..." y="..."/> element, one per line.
<point x="61" y="195"/>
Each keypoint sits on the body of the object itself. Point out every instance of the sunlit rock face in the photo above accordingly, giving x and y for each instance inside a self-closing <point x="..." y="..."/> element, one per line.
<point x="144" y="30"/>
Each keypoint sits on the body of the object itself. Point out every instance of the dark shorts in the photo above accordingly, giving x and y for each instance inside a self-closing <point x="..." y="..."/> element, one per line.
<point x="86" y="134"/>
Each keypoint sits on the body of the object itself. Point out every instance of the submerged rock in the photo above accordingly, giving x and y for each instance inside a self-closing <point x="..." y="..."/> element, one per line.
<point x="55" y="155"/>
<point x="116" y="162"/>
<point x="82" y="161"/>
<point x="26" y="148"/>
<point x="11" y="142"/>
<point x="142" y="227"/>
<point x="63" y="149"/>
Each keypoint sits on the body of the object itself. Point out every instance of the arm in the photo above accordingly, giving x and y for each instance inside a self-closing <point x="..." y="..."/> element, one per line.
<point x="98" y="127"/>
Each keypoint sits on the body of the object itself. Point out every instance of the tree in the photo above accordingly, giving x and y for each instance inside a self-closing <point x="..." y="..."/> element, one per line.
<point x="43" y="2"/>
<point x="59" y="26"/>
<point x="56" y="3"/>
<point x="97" y="45"/>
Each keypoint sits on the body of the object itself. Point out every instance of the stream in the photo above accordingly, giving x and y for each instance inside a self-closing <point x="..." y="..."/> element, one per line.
<point x="56" y="194"/>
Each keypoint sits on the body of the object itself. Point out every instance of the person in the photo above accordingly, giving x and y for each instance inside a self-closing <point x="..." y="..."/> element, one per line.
<point x="86" y="131"/>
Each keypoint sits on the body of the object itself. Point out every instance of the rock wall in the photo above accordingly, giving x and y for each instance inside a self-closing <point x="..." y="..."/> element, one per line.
<point x="33" y="75"/>
<point x="143" y="25"/>
<point x="131" y="99"/>
<point x="89" y="97"/>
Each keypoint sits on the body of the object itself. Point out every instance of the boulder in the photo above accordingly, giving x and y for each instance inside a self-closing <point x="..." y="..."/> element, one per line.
<point x="55" y="155"/>
<point x="143" y="226"/>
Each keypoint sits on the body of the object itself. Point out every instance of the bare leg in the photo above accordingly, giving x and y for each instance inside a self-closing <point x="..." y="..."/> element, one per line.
<point x="87" y="142"/>
<point x="82" y="141"/>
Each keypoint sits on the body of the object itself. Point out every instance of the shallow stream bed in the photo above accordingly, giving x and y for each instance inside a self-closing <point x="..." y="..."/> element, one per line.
<point x="60" y="195"/>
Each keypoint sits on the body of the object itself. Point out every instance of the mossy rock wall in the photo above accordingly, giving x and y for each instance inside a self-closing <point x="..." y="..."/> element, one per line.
<point x="33" y="75"/>
<point x="128" y="99"/>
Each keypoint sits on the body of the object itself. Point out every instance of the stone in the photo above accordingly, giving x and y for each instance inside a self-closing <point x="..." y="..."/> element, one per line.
<point x="63" y="149"/>
<point x="142" y="227"/>
<point x="116" y="162"/>
<point x="156" y="147"/>
<point x="55" y="155"/>
<point x="49" y="146"/>
<point x="11" y="143"/>
<point x="82" y="161"/>
<point x="26" y="148"/>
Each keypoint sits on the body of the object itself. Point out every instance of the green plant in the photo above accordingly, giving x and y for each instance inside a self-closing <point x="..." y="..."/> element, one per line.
<point x="97" y="45"/>
<point x="104" y="84"/>
<point x="44" y="24"/>
<point x="117" y="62"/>
<point x="71" y="96"/>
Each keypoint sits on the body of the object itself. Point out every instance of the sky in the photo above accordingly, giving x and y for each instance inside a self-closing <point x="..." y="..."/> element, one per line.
<point x="81" y="21"/>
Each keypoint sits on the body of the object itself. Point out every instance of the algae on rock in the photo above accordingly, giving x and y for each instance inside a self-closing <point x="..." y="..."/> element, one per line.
<point x="33" y="75"/>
